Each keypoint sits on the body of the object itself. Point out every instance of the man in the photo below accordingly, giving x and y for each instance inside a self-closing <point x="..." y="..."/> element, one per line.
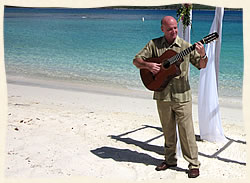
<point x="174" y="103"/>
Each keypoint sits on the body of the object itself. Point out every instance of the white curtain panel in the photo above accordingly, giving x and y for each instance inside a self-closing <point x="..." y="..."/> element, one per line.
<point x="208" y="104"/>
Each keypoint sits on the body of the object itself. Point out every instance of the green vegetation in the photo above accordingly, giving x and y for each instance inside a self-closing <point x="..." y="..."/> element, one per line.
<point x="171" y="7"/>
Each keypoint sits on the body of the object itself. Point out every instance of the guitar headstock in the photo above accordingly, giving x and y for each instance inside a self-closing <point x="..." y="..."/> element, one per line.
<point x="211" y="37"/>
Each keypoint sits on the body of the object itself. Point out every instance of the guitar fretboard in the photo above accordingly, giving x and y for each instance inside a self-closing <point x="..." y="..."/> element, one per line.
<point x="181" y="54"/>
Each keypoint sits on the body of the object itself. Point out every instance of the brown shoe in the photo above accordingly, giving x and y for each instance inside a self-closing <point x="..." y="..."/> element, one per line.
<point x="164" y="166"/>
<point x="193" y="173"/>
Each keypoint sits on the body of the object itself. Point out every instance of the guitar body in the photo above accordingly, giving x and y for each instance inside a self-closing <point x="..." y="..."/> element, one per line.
<point x="170" y="66"/>
<point x="159" y="81"/>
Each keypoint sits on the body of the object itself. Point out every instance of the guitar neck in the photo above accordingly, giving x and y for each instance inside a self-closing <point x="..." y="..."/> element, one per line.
<point x="183" y="53"/>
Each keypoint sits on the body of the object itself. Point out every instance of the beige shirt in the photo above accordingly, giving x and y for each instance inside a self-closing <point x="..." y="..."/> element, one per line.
<point x="178" y="89"/>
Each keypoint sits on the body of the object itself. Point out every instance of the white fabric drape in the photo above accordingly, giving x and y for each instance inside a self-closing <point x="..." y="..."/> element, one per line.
<point x="186" y="36"/>
<point x="208" y="104"/>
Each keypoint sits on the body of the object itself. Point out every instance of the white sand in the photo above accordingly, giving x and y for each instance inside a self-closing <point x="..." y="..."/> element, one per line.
<point x="65" y="133"/>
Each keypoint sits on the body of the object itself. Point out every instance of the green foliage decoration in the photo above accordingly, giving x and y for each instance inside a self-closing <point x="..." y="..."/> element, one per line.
<point x="183" y="13"/>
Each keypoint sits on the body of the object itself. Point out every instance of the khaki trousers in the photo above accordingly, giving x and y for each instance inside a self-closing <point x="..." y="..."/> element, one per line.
<point x="172" y="113"/>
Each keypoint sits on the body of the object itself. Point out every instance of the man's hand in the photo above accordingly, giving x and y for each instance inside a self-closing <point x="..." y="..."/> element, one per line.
<point x="151" y="66"/>
<point x="154" y="67"/>
<point x="200" y="48"/>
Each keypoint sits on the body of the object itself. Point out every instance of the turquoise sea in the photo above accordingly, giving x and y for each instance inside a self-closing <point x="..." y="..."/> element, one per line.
<point x="98" y="45"/>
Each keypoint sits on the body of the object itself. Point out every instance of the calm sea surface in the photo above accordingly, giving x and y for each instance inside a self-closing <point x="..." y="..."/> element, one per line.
<point x="98" y="45"/>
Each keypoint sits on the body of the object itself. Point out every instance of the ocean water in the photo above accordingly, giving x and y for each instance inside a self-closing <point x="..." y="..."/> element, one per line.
<point x="98" y="45"/>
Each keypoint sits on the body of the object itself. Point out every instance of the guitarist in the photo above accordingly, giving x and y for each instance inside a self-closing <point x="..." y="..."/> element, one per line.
<point x="174" y="103"/>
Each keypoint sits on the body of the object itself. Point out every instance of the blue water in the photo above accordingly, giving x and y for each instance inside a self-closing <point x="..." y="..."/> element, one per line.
<point x="98" y="45"/>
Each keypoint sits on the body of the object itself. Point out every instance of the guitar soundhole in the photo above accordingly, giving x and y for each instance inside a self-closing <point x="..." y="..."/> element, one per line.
<point x="166" y="64"/>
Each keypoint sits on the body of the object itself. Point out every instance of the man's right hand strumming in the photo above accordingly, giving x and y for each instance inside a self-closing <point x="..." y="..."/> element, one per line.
<point x="151" y="66"/>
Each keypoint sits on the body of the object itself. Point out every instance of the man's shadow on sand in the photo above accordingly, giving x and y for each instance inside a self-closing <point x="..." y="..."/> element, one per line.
<point x="126" y="155"/>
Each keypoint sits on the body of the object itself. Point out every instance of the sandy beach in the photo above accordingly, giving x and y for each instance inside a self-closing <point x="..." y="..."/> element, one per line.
<point x="107" y="134"/>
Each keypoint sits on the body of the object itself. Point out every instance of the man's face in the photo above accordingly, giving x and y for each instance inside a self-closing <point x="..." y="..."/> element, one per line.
<point x="170" y="30"/>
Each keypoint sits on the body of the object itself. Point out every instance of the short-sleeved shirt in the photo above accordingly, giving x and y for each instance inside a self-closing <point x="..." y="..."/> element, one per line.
<point x="178" y="89"/>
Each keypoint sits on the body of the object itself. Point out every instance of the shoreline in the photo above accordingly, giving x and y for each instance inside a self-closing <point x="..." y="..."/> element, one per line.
<point x="80" y="87"/>
<point x="224" y="101"/>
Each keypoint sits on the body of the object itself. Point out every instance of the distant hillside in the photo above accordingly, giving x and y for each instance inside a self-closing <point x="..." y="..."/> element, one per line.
<point x="173" y="6"/>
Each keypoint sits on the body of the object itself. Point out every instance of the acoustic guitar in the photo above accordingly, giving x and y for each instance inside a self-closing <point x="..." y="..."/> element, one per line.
<point x="170" y="66"/>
